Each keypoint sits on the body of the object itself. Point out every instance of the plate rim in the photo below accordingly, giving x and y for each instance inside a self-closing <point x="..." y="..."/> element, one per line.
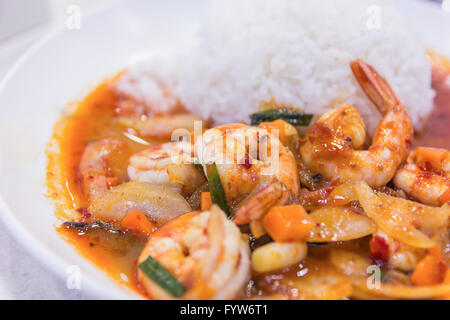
<point x="48" y="258"/>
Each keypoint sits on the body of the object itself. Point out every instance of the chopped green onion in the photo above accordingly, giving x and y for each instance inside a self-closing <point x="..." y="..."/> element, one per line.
<point x="198" y="166"/>
<point x="216" y="189"/>
<point x="155" y="271"/>
<point x="293" y="117"/>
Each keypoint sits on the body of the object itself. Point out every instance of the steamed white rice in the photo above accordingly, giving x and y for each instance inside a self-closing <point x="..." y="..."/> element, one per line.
<point x="296" y="52"/>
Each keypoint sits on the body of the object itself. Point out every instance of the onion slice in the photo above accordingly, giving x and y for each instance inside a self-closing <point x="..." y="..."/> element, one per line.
<point x="319" y="283"/>
<point x="395" y="217"/>
<point x="159" y="202"/>
<point x="339" y="224"/>
<point x="355" y="267"/>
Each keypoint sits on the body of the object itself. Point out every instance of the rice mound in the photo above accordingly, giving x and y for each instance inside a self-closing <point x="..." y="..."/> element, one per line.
<point x="297" y="53"/>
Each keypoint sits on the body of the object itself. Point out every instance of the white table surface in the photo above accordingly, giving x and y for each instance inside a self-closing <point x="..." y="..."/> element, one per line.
<point x="21" y="275"/>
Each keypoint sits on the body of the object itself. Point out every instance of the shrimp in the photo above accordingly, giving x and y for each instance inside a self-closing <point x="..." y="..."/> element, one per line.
<point x="204" y="251"/>
<point x="257" y="204"/>
<point x="331" y="144"/>
<point x="169" y="163"/>
<point x="95" y="174"/>
<point x="246" y="171"/>
<point x="150" y="107"/>
<point x="144" y="95"/>
<point x="426" y="176"/>
<point x="162" y="127"/>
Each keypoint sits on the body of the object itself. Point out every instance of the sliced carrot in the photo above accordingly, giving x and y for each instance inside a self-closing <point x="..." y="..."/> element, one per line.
<point x="288" y="223"/>
<point x="206" y="201"/>
<point x="436" y="252"/>
<point x="447" y="277"/>
<point x="445" y="197"/>
<point x="275" y="127"/>
<point x="137" y="222"/>
<point x="430" y="158"/>
<point x="429" y="271"/>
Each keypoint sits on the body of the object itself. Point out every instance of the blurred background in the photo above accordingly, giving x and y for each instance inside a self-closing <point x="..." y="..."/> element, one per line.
<point x="23" y="22"/>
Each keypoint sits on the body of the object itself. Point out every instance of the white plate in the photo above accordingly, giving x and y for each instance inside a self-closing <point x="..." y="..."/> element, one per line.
<point x="63" y="67"/>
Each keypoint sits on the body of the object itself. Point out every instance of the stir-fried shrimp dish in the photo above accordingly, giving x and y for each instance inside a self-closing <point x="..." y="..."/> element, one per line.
<point x="285" y="207"/>
<point x="293" y="154"/>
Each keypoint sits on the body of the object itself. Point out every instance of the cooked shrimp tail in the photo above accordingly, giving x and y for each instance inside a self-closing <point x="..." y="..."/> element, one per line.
<point x="375" y="86"/>
<point x="258" y="204"/>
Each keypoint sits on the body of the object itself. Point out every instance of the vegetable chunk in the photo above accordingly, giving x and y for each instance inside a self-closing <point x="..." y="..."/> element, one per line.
<point x="137" y="222"/>
<point x="288" y="223"/>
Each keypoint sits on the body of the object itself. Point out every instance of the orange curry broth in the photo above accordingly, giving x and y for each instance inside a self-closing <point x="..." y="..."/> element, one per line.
<point x="117" y="254"/>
